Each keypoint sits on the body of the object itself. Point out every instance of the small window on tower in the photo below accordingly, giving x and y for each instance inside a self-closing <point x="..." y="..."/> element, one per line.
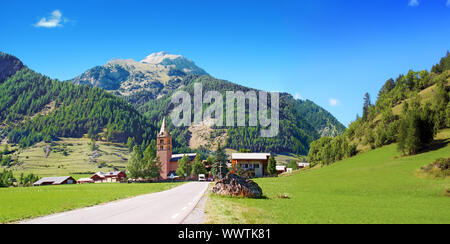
<point x="161" y="141"/>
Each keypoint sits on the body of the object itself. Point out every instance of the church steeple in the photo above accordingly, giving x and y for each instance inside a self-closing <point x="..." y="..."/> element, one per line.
<point x="164" y="149"/>
<point x="164" y="131"/>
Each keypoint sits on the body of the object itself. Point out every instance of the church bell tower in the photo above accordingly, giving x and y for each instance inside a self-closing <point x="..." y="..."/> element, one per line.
<point x="164" y="149"/>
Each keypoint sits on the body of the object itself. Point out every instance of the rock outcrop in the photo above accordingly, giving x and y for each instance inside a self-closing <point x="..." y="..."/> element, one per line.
<point x="236" y="186"/>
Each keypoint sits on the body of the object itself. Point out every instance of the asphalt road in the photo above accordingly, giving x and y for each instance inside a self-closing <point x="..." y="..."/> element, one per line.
<point x="167" y="207"/>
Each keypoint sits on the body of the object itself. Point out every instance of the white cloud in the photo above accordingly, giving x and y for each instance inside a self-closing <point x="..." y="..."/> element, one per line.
<point x="413" y="3"/>
<point x="298" y="96"/>
<point x="334" y="102"/>
<point x="54" y="20"/>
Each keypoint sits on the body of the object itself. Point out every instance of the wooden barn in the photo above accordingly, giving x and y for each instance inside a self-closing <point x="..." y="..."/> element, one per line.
<point x="63" y="180"/>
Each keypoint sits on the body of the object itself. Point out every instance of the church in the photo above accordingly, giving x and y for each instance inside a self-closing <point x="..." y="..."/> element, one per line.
<point x="169" y="161"/>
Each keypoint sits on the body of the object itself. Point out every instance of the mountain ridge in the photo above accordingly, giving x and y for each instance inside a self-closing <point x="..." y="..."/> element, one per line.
<point x="127" y="77"/>
<point x="150" y="94"/>
<point x="35" y="108"/>
<point x="298" y="126"/>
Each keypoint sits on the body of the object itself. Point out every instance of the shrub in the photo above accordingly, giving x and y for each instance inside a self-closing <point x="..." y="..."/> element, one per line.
<point x="439" y="168"/>
<point x="293" y="165"/>
<point x="6" y="178"/>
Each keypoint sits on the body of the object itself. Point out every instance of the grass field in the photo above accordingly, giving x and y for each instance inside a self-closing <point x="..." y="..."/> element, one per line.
<point x="71" y="156"/>
<point x="374" y="187"/>
<point x="28" y="202"/>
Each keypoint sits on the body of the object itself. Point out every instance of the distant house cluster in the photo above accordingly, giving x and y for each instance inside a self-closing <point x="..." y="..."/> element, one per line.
<point x="99" y="177"/>
<point x="284" y="169"/>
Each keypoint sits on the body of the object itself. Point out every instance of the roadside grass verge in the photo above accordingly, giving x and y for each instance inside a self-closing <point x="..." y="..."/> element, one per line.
<point x="227" y="210"/>
<point x="378" y="186"/>
<point x="28" y="202"/>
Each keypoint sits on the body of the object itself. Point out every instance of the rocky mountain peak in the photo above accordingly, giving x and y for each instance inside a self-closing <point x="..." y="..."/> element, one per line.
<point x="157" y="58"/>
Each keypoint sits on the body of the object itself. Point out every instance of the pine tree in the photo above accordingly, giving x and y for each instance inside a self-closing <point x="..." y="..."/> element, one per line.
<point x="416" y="129"/>
<point x="366" y="106"/>
<point x="272" y="166"/>
<point x="220" y="168"/>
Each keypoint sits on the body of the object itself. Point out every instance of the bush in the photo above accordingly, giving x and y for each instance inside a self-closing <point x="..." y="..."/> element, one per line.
<point x="328" y="150"/>
<point x="6" y="161"/>
<point x="6" y="178"/>
<point x="439" y="168"/>
<point x="293" y="165"/>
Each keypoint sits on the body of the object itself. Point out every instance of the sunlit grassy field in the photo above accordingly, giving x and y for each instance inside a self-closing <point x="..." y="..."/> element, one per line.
<point x="28" y="202"/>
<point x="76" y="162"/>
<point x="374" y="187"/>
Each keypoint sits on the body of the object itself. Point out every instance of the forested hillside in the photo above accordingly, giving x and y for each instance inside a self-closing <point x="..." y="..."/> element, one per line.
<point x="409" y="110"/>
<point x="34" y="107"/>
<point x="323" y="121"/>
<point x="296" y="120"/>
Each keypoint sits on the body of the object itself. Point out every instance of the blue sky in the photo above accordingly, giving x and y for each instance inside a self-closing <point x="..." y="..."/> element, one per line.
<point x="330" y="52"/>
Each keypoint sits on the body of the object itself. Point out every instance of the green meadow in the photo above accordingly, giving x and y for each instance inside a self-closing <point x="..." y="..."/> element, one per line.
<point x="378" y="186"/>
<point x="27" y="202"/>
<point x="71" y="156"/>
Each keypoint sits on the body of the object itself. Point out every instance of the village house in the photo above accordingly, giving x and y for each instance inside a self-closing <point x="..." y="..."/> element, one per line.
<point x="169" y="162"/>
<point x="281" y="169"/>
<point x="62" y="180"/>
<point x="85" y="181"/>
<point x="115" y="176"/>
<point x="303" y="165"/>
<point x="255" y="163"/>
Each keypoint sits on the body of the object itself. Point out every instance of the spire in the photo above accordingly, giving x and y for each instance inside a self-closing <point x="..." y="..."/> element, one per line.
<point x="164" y="130"/>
